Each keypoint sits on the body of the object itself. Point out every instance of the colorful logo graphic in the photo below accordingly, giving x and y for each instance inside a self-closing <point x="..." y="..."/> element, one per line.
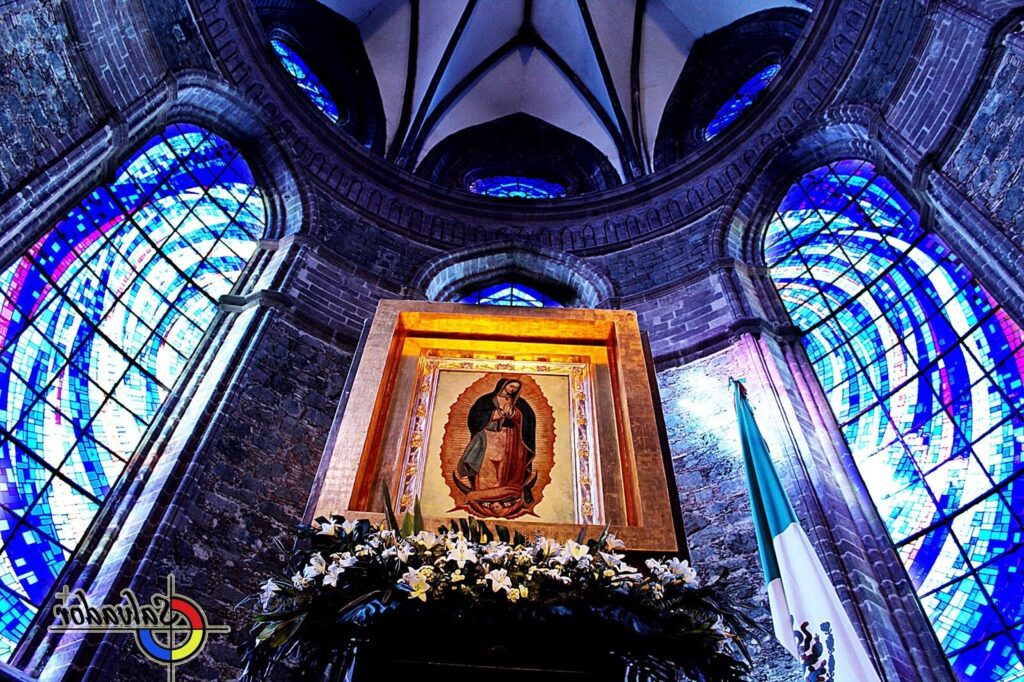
<point x="170" y="630"/>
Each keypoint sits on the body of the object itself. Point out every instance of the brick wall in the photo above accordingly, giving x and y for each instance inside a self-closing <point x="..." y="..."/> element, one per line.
<point x="251" y="489"/>
<point x="942" y="79"/>
<point x="887" y="51"/>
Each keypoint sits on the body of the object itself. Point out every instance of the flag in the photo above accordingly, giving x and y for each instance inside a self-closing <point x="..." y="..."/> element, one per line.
<point x="808" y="618"/>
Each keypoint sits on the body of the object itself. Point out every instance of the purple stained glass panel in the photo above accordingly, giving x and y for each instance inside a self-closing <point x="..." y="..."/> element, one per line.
<point x="97" y="322"/>
<point x="516" y="187"/>
<point x="304" y="77"/>
<point x="923" y="371"/>
<point x="741" y="101"/>
<point x="511" y="294"/>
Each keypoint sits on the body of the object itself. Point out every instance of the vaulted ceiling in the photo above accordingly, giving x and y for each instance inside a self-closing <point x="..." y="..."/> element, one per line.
<point x="600" y="69"/>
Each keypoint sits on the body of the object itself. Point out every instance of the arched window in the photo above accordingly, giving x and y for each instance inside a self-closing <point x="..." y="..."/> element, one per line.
<point x="517" y="187"/>
<point x="98" y="319"/>
<point x="510" y="294"/>
<point x="305" y="78"/>
<point x="923" y="371"/>
<point x="741" y="101"/>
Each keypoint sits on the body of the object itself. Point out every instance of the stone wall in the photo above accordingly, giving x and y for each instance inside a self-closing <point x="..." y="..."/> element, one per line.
<point x="250" y="490"/>
<point x="711" y="478"/>
<point x="989" y="161"/>
<point x="44" y="99"/>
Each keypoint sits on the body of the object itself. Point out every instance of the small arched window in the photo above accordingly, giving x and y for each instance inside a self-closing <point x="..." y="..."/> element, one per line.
<point x="741" y="101"/>
<point x="510" y="294"/>
<point x="307" y="81"/>
<point x="517" y="187"/>
<point x="924" y="372"/>
<point x="98" y="320"/>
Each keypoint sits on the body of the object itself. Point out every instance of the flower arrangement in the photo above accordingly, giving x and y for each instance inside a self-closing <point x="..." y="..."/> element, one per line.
<point x="353" y="581"/>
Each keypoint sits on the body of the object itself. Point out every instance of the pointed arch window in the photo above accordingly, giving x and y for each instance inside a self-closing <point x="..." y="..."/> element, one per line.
<point x="307" y="81"/>
<point x="98" y="320"/>
<point x="511" y="294"/>
<point x="924" y="372"/>
<point x="741" y="101"/>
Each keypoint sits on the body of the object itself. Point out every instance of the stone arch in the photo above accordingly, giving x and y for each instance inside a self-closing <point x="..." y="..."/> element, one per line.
<point x="579" y="282"/>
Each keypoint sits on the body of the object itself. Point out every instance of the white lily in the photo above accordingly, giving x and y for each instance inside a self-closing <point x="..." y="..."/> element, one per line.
<point x="417" y="583"/>
<point x="547" y="546"/>
<point x="499" y="580"/>
<point x="572" y="550"/>
<point x="267" y="592"/>
<point x="317" y="566"/>
<point x="496" y="551"/>
<point x="348" y="526"/>
<point x="299" y="581"/>
<point x="656" y="567"/>
<point x="333" y="571"/>
<point x="682" y="570"/>
<point x="460" y="554"/>
<point x="329" y="527"/>
<point x="425" y="539"/>
<point x="612" y="542"/>
<point x="616" y="562"/>
<point x="344" y="560"/>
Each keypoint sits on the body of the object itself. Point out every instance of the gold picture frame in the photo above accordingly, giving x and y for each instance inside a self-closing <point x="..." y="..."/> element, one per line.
<point x="594" y="451"/>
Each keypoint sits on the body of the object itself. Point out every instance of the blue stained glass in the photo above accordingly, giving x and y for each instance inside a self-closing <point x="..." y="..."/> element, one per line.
<point x="925" y="374"/>
<point x="517" y="187"/>
<point x="305" y="78"/>
<point x="996" y="659"/>
<point x="15" y="617"/>
<point x="741" y="101"/>
<point x="510" y="294"/>
<point x="97" y="321"/>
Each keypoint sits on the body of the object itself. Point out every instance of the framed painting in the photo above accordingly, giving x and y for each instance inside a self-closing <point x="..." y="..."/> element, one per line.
<point x="540" y="419"/>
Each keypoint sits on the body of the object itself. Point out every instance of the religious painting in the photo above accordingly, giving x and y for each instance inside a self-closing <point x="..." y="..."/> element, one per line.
<point x="541" y="419"/>
<point x="505" y="466"/>
<point x="498" y="443"/>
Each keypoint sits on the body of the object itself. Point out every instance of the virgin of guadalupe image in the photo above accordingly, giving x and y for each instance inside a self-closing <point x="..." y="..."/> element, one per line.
<point x="495" y="472"/>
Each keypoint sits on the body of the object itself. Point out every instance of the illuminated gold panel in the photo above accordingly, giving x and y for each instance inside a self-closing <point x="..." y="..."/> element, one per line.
<point x="541" y="419"/>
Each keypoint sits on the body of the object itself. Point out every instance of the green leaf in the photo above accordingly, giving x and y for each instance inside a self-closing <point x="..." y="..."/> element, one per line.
<point x="407" y="525"/>
<point x="287" y="632"/>
<point x="582" y="535"/>
<point x="392" y="521"/>
<point x="503" y="532"/>
<point x="417" y="516"/>
<point x="604" y="535"/>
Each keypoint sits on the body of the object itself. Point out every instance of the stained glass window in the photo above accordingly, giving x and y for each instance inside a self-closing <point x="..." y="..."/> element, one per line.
<point x="741" y="101"/>
<point x="97" y="321"/>
<point x="923" y="370"/>
<point x="511" y="294"/>
<point x="305" y="78"/>
<point x="517" y="187"/>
